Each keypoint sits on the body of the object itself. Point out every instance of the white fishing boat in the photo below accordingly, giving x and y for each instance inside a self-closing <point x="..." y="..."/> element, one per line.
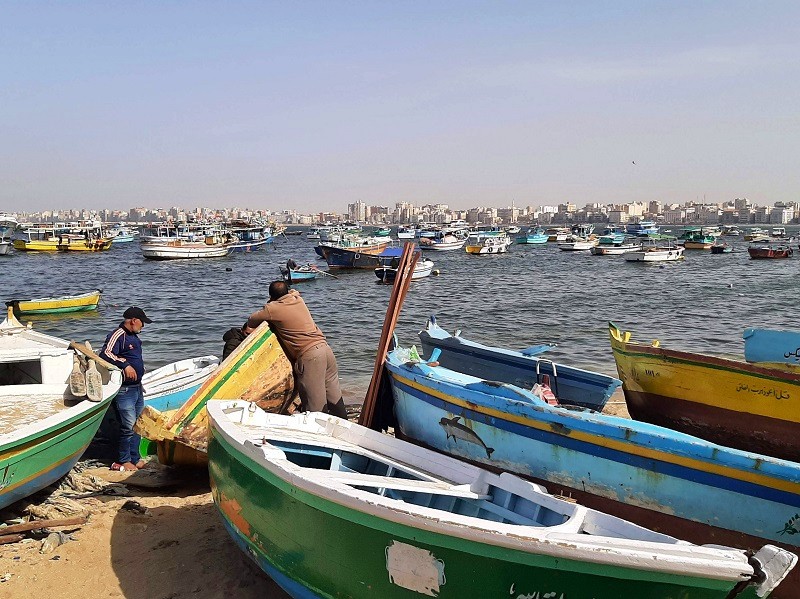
<point x="577" y="244"/>
<point x="47" y="418"/>
<point x="168" y="387"/>
<point x="488" y="242"/>
<point x="656" y="251"/>
<point x="7" y="225"/>
<point x="410" y="522"/>
<point x="441" y="242"/>
<point x="214" y="244"/>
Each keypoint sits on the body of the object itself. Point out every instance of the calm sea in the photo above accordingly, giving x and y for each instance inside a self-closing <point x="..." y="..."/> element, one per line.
<point x="531" y="295"/>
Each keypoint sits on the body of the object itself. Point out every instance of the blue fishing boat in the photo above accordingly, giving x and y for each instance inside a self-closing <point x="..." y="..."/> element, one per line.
<point x="643" y="228"/>
<point x="168" y="387"/>
<point x="533" y="236"/>
<point x="572" y="386"/>
<point x="652" y="475"/>
<point x="768" y="347"/>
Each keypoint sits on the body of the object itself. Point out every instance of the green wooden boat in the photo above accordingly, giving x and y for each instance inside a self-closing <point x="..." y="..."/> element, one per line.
<point x="330" y="509"/>
<point x="44" y="428"/>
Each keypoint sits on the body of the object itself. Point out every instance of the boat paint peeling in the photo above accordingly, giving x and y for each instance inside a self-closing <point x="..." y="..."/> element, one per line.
<point x="414" y="569"/>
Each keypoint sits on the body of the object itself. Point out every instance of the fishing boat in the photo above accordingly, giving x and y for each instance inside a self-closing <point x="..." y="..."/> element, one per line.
<point x="390" y="260"/>
<point x="488" y="242"/>
<point x="168" y="387"/>
<point x="44" y="428"/>
<point x="81" y="237"/>
<point x="215" y="244"/>
<point x="558" y="234"/>
<point x="766" y="251"/>
<point x="749" y="406"/>
<point x="256" y="371"/>
<point x="7" y="226"/>
<point x="513" y="229"/>
<point x="721" y="248"/>
<point x="249" y="235"/>
<point x="353" y="252"/>
<point x="571" y="386"/>
<point x="577" y="244"/>
<point x="731" y="230"/>
<point x="300" y="273"/>
<point x="699" y="241"/>
<point x="382" y="232"/>
<point x="533" y="236"/>
<point x="656" y="250"/>
<point x="757" y="234"/>
<point x="409" y="522"/>
<point x="777" y="232"/>
<point x="122" y="234"/>
<point x="772" y="348"/>
<point x="442" y="242"/>
<point x="643" y="228"/>
<point x="613" y="243"/>
<point x="83" y="302"/>
<point x="654" y="476"/>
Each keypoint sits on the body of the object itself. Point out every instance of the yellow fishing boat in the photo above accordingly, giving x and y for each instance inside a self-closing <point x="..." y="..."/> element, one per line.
<point x="730" y="402"/>
<point x="256" y="371"/>
<point x="83" y="302"/>
<point x="64" y="238"/>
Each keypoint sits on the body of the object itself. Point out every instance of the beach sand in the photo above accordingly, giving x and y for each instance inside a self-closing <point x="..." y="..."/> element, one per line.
<point x="177" y="549"/>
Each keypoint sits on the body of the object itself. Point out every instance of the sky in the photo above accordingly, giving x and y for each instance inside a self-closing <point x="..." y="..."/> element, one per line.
<point x="313" y="105"/>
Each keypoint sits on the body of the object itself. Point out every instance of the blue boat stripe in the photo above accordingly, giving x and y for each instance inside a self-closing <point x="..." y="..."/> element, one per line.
<point x="591" y="449"/>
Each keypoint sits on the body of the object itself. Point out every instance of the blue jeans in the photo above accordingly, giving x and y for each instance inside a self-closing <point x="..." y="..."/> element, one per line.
<point x="128" y="404"/>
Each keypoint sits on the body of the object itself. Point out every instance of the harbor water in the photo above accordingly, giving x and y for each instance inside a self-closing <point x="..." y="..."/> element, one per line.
<point x="530" y="295"/>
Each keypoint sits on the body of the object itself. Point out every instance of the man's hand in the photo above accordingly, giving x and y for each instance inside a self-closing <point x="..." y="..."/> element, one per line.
<point x="130" y="373"/>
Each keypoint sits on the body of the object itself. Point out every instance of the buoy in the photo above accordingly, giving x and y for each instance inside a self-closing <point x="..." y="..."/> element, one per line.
<point x="229" y="269"/>
<point x="435" y="272"/>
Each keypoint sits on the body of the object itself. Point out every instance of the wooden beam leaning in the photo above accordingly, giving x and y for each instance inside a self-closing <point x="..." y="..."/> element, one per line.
<point x="401" y="283"/>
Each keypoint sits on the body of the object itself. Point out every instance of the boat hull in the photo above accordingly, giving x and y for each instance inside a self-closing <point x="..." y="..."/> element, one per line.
<point x="94" y="245"/>
<point x="286" y="530"/>
<point x="775" y="349"/>
<point x="56" y="305"/>
<point x="30" y="463"/>
<point x="183" y="250"/>
<point x="766" y="253"/>
<point x="610" y="463"/>
<point x="366" y="257"/>
<point x="659" y="255"/>
<point x="748" y="406"/>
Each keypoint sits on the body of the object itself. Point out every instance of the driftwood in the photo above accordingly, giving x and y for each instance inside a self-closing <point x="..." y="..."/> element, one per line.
<point x="39" y="524"/>
<point x="6" y="539"/>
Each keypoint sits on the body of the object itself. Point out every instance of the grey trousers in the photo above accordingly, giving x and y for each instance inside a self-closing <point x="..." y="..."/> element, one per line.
<point x="317" y="378"/>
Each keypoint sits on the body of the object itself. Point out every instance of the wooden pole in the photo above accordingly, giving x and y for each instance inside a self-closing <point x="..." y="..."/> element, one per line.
<point x="37" y="524"/>
<point x="403" y="279"/>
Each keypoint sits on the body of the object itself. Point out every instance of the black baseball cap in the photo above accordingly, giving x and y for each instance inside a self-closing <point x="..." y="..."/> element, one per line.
<point x="134" y="312"/>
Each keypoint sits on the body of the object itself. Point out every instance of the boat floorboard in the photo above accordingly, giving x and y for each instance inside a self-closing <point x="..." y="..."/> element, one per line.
<point x="18" y="410"/>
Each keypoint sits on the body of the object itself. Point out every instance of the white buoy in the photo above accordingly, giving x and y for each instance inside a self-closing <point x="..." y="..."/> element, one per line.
<point x="435" y="272"/>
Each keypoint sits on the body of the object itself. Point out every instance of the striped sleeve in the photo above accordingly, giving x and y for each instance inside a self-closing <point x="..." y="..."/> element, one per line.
<point x="115" y="342"/>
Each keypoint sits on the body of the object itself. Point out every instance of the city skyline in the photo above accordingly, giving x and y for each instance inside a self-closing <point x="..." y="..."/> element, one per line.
<point x="315" y="106"/>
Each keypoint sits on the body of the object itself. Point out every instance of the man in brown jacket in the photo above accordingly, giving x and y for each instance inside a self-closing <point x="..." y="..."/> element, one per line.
<point x="315" y="370"/>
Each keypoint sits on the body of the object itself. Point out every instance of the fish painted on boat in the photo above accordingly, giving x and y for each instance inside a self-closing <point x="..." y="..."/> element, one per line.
<point x="455" y="430"/>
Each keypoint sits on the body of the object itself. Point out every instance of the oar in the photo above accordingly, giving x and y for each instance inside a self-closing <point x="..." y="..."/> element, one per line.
<point x="94" y="382"/>
<point x="77" y="380"/>
<point x="87" y="351"/>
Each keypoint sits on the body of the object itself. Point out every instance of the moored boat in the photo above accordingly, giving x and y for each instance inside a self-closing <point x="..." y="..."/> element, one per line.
<point x="44" y="428"/>
<point x="257" y="371"/>
<point x="214" y="244"/>
<point x="390" y="260"/>
<point x="576" y="244"/>
<point x="83" y="302"/>
<point x="766" y="251"/>
<point x="411" y="522"/>
<point x="353" y="252"/>
<point x="654" y="476"/>
<point x="488" y="242"/>
<point x="748" y="406"/>
<point x="570" y="385"/>
<point x="300" y="273"/>
<point x="81" y="237"/>
<point x="8" y="224"/>
<point x="535" y="235"/>
<point x="656" y="251"/>
<point x="441" y="242"/>
<point x="721" y="248"/>
<point x="168" y="387"/>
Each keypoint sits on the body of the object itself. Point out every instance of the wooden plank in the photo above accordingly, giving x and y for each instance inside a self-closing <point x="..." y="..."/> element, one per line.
<point x="5" y="539"/>
<point x="433" y="487"/>
<point x="402" y="281"/>
<point x="38" y="524"/>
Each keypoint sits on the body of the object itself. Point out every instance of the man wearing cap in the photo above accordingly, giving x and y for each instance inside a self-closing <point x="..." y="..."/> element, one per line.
<point x="313" y="362"/>
<point x="123" y="348"/>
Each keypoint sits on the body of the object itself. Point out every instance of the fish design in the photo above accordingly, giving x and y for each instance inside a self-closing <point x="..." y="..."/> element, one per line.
<point x="453" y="428"/>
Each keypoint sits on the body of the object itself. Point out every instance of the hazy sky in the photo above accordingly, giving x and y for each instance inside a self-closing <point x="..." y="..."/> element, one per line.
<point x="313" y="105"/>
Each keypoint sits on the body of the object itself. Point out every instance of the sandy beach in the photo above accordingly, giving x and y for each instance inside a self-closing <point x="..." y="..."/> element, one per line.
<point x="177" y="548"/>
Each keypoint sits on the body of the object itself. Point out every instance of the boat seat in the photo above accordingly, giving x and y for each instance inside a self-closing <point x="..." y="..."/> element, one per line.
<point x="357" y="479"/>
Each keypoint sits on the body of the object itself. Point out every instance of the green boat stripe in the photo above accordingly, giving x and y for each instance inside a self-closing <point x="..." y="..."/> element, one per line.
<point x="231" y="371"/>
